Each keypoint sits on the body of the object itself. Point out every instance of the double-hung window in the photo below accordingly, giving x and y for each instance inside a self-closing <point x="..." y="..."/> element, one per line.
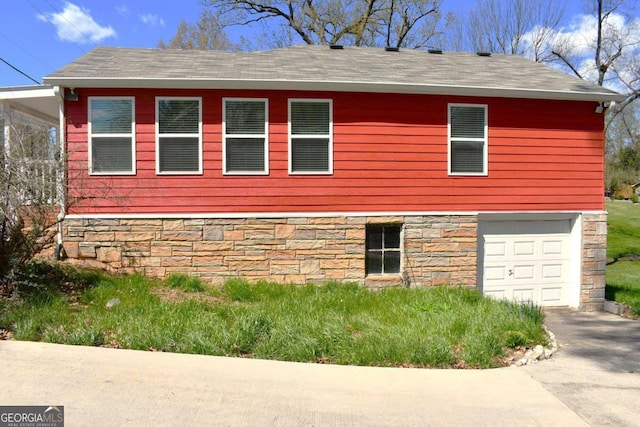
<point x="467" y="139"/>
<point x="179" y="135"/>
<point x="310" y="136"/>
<point x="112" y="136"/>
<point x="246" y="145"/>
<point x="383" y="248"/>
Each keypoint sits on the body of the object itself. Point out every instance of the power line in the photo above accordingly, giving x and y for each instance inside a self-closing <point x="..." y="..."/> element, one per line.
<point x="46" y="17"/>
<point x="65" y="18"/>
<point x="20" y="71"/>
<point x="24" y="50"/>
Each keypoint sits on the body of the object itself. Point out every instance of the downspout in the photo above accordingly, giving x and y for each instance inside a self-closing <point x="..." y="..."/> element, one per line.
<point x="62" y="131"/>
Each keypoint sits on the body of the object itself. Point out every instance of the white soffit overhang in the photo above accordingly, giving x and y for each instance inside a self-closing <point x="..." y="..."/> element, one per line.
<point x="40" y="101"/>
<point x="335" y="86"/>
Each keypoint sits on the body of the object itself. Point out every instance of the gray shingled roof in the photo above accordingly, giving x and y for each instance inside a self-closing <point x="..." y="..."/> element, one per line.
<point x="321" y="68"/>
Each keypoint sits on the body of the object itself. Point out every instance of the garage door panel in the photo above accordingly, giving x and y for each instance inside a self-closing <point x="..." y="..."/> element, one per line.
<point x="495" y="249"/>
<point x="553" y="272"/>
<point x="524" y="294"/>
<point x="523" y="272"/>
<point x="552" y="296"/>
<point x="533" y="265"/>
<point x="554" y="247"/>
<point x="496" y="273"/>
<point x="524" y="248"/>
<point x="496" y="293"/>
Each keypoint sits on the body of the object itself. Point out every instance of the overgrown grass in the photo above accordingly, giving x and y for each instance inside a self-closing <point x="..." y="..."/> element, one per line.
<point x="623" y="251"/>
<point x="334" y="323"/>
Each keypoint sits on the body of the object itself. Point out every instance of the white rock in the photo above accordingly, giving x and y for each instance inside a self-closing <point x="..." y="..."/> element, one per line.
<point x="113" y="302"/>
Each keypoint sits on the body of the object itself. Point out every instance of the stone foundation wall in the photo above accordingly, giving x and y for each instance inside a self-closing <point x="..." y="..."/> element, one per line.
<point x="438" y="249"/>
<point x="594" y="261"/>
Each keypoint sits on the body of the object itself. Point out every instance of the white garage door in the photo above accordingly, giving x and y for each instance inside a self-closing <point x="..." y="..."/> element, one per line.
<point x="527" y="260"/>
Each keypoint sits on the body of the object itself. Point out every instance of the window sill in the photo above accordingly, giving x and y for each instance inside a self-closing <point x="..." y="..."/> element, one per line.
<point x="127" y="173"/>
<point x="311" y="173"/>
<point x="379" y="281"/>
<point x="468" y="174"/>
<point x="179" y="173"/>
<point x="246" y="173"/>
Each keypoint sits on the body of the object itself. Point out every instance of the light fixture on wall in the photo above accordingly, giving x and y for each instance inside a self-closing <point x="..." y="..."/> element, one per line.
<point x="71" y="95"/>
<point x="602" y="107"/>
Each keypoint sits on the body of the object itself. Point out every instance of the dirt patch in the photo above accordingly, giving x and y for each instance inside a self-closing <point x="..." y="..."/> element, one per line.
<point x="177" y="295"/>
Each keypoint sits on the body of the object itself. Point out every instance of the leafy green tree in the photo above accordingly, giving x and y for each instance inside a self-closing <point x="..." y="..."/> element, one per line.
<point x="629" y="159"/>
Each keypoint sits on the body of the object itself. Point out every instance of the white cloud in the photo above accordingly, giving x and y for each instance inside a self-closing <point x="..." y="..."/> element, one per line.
<point x="152" y="20"/>
<point x="123" y="10"/>
<point x="75" y="24"/>
<point x="578" y="42"/>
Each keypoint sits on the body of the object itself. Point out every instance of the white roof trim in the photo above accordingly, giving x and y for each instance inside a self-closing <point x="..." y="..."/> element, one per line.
<point x="337" y="86"/>
<point x="23" y="92"/>
<point x="482" y="214"/>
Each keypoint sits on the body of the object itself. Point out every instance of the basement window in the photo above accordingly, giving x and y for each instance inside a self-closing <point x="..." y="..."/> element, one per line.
<point x="383" y="248"/>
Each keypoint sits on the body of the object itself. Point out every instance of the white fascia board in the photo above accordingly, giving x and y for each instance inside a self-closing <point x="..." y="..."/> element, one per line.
<point x="481" y="215"/>
<point x="27" y="92"/>
<point x="334" y="86"/>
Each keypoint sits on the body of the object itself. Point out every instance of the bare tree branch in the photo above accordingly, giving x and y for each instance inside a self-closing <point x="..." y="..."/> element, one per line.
<point x="355" y="22"/>
<point x="567" y="62"/>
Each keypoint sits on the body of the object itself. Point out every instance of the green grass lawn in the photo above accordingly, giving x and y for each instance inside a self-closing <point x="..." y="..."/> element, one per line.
<point x="623" y="251"/>
<point x="334" y="323"/>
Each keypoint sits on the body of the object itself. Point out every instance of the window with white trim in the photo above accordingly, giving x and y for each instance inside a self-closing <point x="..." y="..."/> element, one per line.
<point x="467" y="139"/>
<point x="310" y="136"/>
<point x="383" y="248"/>
<point x="111" y="136"/>
<point x="179" y="135"/>
<point x="246" y="145"/>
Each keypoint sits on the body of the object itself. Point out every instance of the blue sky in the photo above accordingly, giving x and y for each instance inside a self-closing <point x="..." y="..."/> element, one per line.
<point x="40" y="36"/>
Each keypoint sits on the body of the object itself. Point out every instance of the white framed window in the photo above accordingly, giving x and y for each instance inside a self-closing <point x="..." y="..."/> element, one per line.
<point x="468" y="139"/>
<point x="310" y="136"/>
<point x="383" y="249"/>
<point x="178" y="136"/>
<point x="245" y="148"/>
<point x="112" y="146"/>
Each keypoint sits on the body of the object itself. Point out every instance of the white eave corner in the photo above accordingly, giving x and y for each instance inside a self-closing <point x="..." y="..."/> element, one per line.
<point x="23" y="92"/>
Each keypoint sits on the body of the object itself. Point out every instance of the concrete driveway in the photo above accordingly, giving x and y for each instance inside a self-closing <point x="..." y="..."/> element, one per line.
<point x="596" y="372"/>
<point x="107" y="387"/>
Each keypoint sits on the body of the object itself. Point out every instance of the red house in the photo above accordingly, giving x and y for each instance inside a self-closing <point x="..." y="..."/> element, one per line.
<point x="310" y="164"/>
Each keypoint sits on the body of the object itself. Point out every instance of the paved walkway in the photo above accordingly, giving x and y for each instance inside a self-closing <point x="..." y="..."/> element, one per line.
<point x="593" y="380"/>
<point x="597" y="370"/>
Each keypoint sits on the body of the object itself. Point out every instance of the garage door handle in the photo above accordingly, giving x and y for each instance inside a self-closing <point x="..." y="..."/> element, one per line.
<point x="510" y="272"/>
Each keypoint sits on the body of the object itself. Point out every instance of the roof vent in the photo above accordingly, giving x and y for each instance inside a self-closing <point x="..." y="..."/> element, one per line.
<point x="435" y="51"/>
<point x="483" y="53"/>
<point x="336" y="47"/>
<point x="392" y="49"/>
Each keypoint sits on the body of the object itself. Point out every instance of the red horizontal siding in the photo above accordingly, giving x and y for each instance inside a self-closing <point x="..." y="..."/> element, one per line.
<point x="390" y="155"/>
